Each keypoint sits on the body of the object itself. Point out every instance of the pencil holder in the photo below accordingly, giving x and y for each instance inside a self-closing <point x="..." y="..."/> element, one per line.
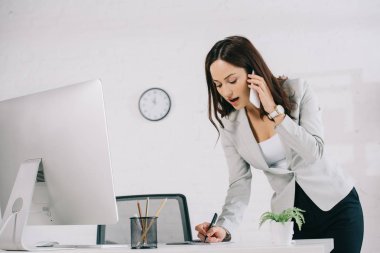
<point x="143" y="232"/>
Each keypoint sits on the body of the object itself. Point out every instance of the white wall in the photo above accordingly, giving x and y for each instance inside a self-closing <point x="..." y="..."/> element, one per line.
<point x="134" y="45"/>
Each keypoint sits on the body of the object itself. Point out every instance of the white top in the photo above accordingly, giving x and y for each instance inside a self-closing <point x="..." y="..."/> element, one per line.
<point x="274" y="152"/>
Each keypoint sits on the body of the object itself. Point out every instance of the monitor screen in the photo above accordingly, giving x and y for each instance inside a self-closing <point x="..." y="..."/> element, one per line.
<point x="66" y="129"/>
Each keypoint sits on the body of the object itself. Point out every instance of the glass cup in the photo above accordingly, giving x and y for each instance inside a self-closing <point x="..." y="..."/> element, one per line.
<point x="143" y="232"/>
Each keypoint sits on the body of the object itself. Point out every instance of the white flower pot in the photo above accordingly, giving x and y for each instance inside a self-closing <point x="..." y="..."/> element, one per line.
<point x="282" y="233"/>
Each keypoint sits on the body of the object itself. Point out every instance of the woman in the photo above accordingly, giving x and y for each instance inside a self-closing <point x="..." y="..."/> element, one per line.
<point x="284" y="139"/>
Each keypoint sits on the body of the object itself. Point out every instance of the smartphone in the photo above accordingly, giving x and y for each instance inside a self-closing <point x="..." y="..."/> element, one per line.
<point x="254" y="97"/>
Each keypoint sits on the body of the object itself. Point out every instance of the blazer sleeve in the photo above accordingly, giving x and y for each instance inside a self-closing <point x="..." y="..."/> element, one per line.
<point x="305" y="138"/>
<point x="239" y="190"/>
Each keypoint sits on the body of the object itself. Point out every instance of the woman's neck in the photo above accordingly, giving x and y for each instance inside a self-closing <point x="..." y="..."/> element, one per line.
<point x="252" y="110"/>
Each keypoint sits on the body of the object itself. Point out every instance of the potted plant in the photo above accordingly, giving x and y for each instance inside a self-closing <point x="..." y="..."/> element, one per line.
<point x="282" y="224"/>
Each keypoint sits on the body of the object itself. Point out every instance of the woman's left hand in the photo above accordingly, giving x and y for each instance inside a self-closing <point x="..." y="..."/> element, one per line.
<point x="258" y="84"/>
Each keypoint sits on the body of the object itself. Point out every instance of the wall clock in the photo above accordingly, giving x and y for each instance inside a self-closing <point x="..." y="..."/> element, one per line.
<point x="154" y="104"/>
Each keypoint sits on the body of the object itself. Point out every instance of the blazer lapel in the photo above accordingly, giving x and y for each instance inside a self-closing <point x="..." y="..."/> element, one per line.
<point x="240" y="130"/>
<point x="249" y="144"/>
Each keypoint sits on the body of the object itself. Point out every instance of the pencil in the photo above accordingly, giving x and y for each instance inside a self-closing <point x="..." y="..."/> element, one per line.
<point x="161" y="206"/>
<point x="156" y="215"/>
<point x="147" y="207"/>
<point x="139" y="209"/>
<point x="138" y="222"/>
<point x="146" y="217"/>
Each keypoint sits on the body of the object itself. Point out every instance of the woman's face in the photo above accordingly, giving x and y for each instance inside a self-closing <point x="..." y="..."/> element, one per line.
<point x="231" y="83"/>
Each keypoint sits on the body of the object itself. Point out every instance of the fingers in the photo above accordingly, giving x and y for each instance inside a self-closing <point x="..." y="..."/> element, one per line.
<point x="258" y="84"/>
<point x="213" y="239"/>
<point x="201" y="237"/>
<point x="256" y="77"/>
<point x="215" y="234"/>
<point x="258" y="89"/>
<point x="257" y="81"/>
<point x="202" y="228"/>
<point x="212" y="231"/>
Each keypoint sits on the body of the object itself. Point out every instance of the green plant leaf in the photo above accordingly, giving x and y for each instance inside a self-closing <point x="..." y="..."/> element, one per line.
<point x="285" y="216"/>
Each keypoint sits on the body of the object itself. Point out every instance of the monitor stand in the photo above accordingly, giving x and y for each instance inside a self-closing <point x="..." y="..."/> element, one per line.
<point x="17" y="210"/>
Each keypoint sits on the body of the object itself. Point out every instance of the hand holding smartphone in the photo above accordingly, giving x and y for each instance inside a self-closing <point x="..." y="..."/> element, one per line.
<point x="254" y="97"/>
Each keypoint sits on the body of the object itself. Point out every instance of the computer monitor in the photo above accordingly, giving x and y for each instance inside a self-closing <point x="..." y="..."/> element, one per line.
<point x="62" y="133"/>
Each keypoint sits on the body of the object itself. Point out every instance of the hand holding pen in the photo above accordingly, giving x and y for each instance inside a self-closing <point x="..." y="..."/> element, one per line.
<point x="212" y="224"/>
<point x="208" y="232"/>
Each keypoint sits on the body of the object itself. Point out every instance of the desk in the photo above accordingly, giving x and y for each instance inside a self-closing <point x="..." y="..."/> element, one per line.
<point x="299" y="246"/>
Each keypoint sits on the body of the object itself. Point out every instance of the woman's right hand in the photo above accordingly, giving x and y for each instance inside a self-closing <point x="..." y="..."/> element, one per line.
<point x="214" y="234"/>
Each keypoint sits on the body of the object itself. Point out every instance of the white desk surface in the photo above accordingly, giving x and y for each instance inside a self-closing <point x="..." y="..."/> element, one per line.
<point x="298" y="246"/>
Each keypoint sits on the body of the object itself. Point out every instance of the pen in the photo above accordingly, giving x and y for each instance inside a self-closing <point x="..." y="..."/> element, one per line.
<point x="213" y="221"/>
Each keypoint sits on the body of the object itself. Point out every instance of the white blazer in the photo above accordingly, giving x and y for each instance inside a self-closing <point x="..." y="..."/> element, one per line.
<point x="307" y="164"/>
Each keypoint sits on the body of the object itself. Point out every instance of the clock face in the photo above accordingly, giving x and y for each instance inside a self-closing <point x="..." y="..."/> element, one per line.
<point x="154" y="104"/>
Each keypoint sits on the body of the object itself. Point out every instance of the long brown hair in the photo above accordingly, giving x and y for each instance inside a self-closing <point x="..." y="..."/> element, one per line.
<point x="240" y="52"/>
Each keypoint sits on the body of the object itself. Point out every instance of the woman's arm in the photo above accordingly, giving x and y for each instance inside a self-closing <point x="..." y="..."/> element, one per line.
<point x="239" y="190"/>
<point x="306" y="139"/>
